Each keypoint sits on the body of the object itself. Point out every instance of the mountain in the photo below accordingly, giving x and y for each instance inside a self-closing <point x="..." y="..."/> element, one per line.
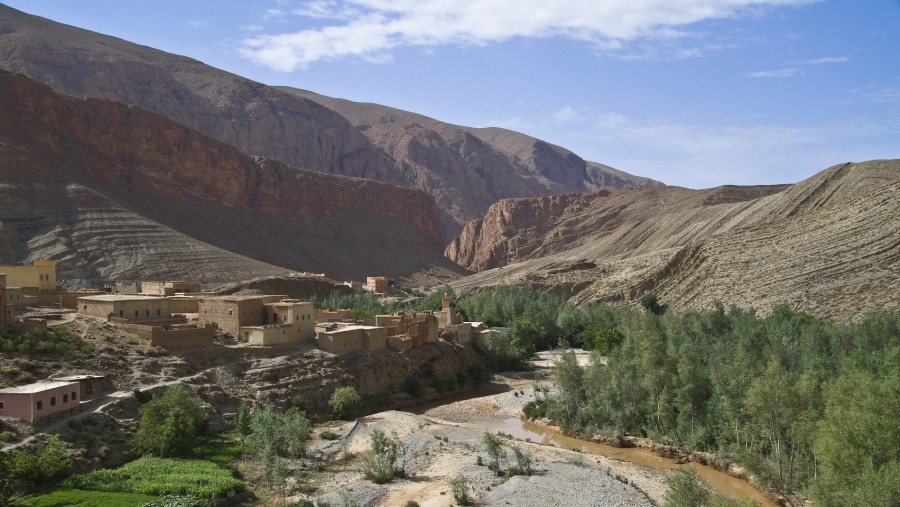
<point x="458" y="166"/>
<point x="468" y="169"/>
<point x="115" y="191"/>
<point x="829" y="245"/>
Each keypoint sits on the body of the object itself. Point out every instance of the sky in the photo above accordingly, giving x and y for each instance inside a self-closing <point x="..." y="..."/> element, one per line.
<point x="696" y="93"/>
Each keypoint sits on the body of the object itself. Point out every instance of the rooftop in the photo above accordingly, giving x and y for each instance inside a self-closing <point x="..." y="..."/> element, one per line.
<point x="37" y="387"/>
<point x="121" y="297"/>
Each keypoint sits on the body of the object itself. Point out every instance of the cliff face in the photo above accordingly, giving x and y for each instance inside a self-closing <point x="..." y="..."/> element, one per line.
<point x="460" y="167"/>
<point x="829" y="245"/>
<point x="179" y="179"/>
<point x="468" y="169"/>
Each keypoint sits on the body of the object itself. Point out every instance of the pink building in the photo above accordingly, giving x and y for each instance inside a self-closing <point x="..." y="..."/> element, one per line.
<point x="39" y="401"/>
<point x="377" y="284"/>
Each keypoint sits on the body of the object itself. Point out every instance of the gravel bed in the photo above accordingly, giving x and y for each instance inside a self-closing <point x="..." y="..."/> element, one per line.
<point x="363" y="494"/>
<point x="565" y="484"/>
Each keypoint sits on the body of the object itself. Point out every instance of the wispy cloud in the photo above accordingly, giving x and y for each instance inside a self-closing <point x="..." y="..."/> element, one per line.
<point x="197" y="24"/>
<point x="825" y="60"/>
<point x="371" y="29"/>
<point x="789" y="72"/>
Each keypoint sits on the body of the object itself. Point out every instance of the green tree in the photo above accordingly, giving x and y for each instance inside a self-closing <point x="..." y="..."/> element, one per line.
<point x="344" y="402"/>
<point x="685" y="489"/>
<point x="46" y="461"/>
<point x="858" y="442"/>
<point x="169" y="425"/>
<point x="459" y="486"/>
<point x="569" y="379"/>
<point x="242" y="421"/>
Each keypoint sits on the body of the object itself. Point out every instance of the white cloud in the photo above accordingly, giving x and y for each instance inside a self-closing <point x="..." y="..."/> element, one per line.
<point x="825" y="59"/>
<point x="370" y="29"/>
<point x="789" y="72"/>
<point x="197" y="24"/>
<point x="564" y="114"/>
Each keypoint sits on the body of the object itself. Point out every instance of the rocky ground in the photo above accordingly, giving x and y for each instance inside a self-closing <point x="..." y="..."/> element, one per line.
<point x="446" y="441"/>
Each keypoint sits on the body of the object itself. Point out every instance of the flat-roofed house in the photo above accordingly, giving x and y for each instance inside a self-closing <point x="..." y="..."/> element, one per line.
<point x="34" y="402"/>
<point x="133" y="308"/>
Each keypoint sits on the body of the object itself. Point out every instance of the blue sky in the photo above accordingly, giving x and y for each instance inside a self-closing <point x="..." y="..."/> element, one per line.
<point x="694" y="93"/>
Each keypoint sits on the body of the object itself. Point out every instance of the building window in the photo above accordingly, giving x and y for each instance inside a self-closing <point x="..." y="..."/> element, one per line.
<point x="135" y="313"/>
<point x="84" y="307"/>
<point x="53" y="401"/>
<point x="74" y="395"/>
<point x="230" y="312"/>
<point x="40" y="404"/>
<point x="157" y="312"/>
<point x="121" y="313"/>
<point x="148" y="313"/>
<point x="65" y="398"/>
<point x="2" y="405"/>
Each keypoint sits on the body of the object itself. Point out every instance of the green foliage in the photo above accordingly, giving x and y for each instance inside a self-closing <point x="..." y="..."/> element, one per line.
<point x="685" y="489"/>
<point x="344" y="402"/>
<point x="328" y="435"/>
<point x="566" y="408"/>
<point x="275" y="435"/>
<point x="495" y="452"/>
<point x="411" y="503"/>
<point x="858" y="441"/>
<point x="169" y="425"/>
<point x="477" y="373"/>
<point x="535" y="410"/>
<point x="524" y="462"/>
<point x="601" y="338"/>
<point x="203" y="480"/>
<point x="221" y="451"/>
<point x="8" y="482"/>
<point x="80" y="498"/>
<point x="48" y="460"/>
<point x="650" y="302"/>
<point x="242" y="421"/>
<point x="380" y="465"/>
<point x="56" y="340"/>
<point x="459" y="486"/>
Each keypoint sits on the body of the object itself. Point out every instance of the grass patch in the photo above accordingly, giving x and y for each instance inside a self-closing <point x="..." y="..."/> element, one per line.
<point x="81" y="498"/>
<point x="221" y="451"/>
<point x="162" y="476"/>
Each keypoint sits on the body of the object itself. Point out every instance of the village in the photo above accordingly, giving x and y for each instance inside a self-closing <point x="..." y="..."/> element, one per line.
<point x="177" y="315"/>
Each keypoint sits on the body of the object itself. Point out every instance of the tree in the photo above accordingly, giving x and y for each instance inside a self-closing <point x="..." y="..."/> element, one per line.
<point x="344" y="402"/>
<point x="8" y="482"/>
<point x="569" y="378"/>
<point x="650" y="302"/>
<point x="459" y="485"/>
<point x="169" y="425"/>
<point x="48" y="460"/>
<point x="685" y="489"/>
<point x="242" y="421"/>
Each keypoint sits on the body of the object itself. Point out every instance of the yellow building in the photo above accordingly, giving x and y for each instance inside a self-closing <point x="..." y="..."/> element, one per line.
<point x="41" y="275"/>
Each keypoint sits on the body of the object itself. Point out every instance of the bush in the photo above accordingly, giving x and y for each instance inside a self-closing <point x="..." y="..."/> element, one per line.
<point x="524" y="462"/>
<point x="48" y="460"/>
<point x="494" y="450"/>
<point x="328" y="435"/>
<point x="535" y="409"/>
<point x="379" y="466"/>
<point x="344" y="402"/>
<point x="8" y="482"/>
<point x="459" y="485"/>
<point x="685" y="489"/>
<point x="169" y="425"/>
<point x="477" y="372"/>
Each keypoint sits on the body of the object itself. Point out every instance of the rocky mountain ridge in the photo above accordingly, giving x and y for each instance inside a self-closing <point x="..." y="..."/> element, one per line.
<point x="207" y="198"/>
<point x="829" y="245"/>
<point x="467" y="169"/>
<point x="464" y="172"/>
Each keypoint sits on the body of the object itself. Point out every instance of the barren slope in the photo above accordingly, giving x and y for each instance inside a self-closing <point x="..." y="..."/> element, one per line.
<point x="457" y="166"/>
<point x="829" y="245"/>
<point x="468" y="169"/>
<point x="91" y="183"/>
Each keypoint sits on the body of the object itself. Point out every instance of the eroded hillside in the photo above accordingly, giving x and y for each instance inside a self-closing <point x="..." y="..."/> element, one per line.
<point x="829" y="245"/>
<point x="80" y="172"/>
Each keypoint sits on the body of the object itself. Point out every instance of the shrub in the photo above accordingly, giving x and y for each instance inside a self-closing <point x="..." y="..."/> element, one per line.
<point x="524" y="462"/>
<point x="328" y="435"/>
<point x="242" y="421"/>
<point x="459" y="485"/>
<point x="685" y="489"/>
<point x="169" y="425"/>
<point x="379" y="466"/>
<point x="477" y="372"/>
<point x="494" y="450"/>
<point x="344" y="402"/>
<point x="48" y="460"/>
<point x="535" y="409"/>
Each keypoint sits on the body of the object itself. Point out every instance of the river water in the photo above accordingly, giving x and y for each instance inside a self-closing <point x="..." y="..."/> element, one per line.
<point x="716" y="480"/>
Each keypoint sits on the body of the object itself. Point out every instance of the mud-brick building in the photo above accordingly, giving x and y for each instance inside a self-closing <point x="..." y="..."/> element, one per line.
<point x="41" y="401"/>
<point x="169" y="287"/>
<point x="260" y="320"/>
<point x="421" y="327"/>
<point x="40" y="275"/>
<point x="376" y="284"/>
<point x="6" y="311"/>
<point x="352" y="338"/>
<point x="133" y="308"/>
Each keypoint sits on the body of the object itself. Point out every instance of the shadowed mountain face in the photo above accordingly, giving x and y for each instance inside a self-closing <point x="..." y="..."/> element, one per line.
<point x="468" y="169"/>
<point x="460" y="167"/>
<point x="111" y="190"/>
<point x="829" y="245"/>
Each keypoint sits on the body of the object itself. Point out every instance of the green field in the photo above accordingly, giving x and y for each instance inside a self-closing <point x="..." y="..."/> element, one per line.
<point x="81" y="498"/>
